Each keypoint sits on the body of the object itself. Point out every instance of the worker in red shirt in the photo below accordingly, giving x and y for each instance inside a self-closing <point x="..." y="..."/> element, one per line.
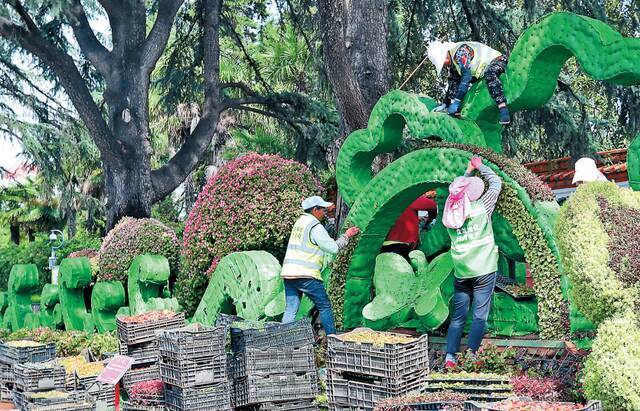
<point x="405" y="233"/>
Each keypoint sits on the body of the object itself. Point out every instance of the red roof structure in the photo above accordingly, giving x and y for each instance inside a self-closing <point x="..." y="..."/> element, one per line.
<point x="558" y="173"/>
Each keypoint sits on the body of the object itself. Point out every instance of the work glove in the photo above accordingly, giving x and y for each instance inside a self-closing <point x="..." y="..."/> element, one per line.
<point x="352" y="231"/>
<point x="442" y="108"/>
<point x="454" y="107"/>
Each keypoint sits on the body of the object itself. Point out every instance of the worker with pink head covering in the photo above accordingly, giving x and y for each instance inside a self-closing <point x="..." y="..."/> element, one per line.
<point x="467" y="216"/>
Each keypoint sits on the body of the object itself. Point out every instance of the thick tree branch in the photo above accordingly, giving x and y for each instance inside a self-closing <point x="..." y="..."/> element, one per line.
<point x="156" y="42"/>
<point x="97" y="54"/>
<point x="66" y="71"/>
<point x="168" y="177"/>
<point x="26" y="18"/>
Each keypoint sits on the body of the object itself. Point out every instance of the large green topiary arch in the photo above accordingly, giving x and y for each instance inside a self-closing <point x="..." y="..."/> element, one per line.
<point x="393" y="189"/>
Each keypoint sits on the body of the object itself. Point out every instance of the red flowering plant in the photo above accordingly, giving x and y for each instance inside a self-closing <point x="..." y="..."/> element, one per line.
<point x="146" y="392"/>
<point x="251" y="203"/>
<point x="132" y="237"/>
<point x="538" y="388"/>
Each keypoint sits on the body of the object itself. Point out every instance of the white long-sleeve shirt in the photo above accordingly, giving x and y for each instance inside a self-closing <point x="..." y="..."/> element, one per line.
<point x="320" y="237"/>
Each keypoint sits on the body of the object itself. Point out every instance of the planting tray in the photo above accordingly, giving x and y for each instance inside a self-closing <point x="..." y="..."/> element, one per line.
<point x="144" y="353"/>
<point x="484" y="406"/>
<point x="39" y="376"/>
<point x="272" y="335"/>
<point x="192" y="342"/>
<point x="21" y="355"/>
<point x="468" y="381"/>
<point x="136" y="333"/>
<point x="273" y="388"/>
<point x="424" y="406"/>
<point x="288" y="360"/>
<point x="133" y="376"/>
<point x="211" y="397"/>
<point x="100" y="392"/>
<point x="188" y="373"/>
<point x="27" y="401"/>
<point x="393" y="361"/>
<point x="502" y="284"/>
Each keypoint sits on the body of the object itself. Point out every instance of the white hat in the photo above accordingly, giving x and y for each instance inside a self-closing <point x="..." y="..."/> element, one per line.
<point x="437" y="53"/>
<point x="314" y="201"/>
<point x="587" y="171"/>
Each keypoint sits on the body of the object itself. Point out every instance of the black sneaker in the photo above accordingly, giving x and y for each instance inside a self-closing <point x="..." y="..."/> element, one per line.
<point x="505" y="118"/>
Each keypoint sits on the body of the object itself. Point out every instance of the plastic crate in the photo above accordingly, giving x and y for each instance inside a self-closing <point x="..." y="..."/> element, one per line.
<point x="30" y="401"/>
<point x="254" y="361"/>
<point x="188" y="373"/>
<point x="39" y="377"/>
<point x="133" y="376"/>
<point x="20" y="355"/>
<point x="6" y="373"/>
<point x="273" y="335"/>
<point x="136" y="333"/>
<point x="100" y="392"/>
<point x="212" y="397"/>
<point x="348" y="390"/>
<point x="393" y="361"/>
<point x="484" y="406"/>
<point x="429" y="406"/>
<point x="300" y="405"/>
<point x="192" y="342"/>
<point x="257" y="389"/>
<point x="503" y="283"/>
<point x="468" y="381"/>
<point x="129" y="406"/>
<point x="144" y="353"/>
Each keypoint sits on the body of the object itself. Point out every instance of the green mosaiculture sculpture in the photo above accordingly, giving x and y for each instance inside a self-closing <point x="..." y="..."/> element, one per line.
<point x="75" y="275"/>
<point x="23" y="282"/>
<point x="50" y="309"/>
<point x="107" y="297"/>
<point x="248" y="280"/>
<point x="148" y="285"/>
<point x="4" y="302"/>
<point x="530" y="80"/>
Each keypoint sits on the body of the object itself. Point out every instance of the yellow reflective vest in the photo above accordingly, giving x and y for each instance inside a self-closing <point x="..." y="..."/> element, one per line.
<point x="304" y="258"/>
<point x="482" y="56"/>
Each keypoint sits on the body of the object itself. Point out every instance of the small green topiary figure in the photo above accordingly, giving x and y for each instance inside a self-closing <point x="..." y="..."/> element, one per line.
<point x="246" y="282"/>
<point x="23" y="282"/>
<point x="50" y="310"/>
<point x="75" y="275"/>
<point x="107" y="297"/>
<point x="148" y="285"/>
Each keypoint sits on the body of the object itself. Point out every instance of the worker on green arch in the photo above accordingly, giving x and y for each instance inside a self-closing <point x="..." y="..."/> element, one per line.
<point x="308" y="243"/>
<point x="405" y="233"/>
<point x="467" y="216"/>
<point x="469" y="61"/>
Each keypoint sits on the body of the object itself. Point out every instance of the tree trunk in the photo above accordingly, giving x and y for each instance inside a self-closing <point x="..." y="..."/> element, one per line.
<point x="31" y="235"/>
<point x="15" y="233"/>
<point x="71" y="222"/>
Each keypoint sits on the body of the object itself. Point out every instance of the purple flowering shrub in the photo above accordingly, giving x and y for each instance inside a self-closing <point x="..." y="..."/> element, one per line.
<point x="132" y="237"/>
<point x="250" y="204"/>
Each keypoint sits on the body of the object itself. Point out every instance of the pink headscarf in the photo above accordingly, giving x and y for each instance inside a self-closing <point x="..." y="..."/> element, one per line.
<point x="462" y="192"/>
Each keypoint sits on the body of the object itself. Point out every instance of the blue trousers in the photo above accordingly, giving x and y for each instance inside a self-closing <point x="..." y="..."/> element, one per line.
<point x="479" y="290"/>
<point x="314" y="289"/>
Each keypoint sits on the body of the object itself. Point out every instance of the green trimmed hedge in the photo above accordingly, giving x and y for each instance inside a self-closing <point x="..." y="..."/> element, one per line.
<point x="585" y="248"/>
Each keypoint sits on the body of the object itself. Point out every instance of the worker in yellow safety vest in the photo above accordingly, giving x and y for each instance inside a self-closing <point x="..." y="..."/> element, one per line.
<point x="469" y="61"/>
<point x="308" y="243"/>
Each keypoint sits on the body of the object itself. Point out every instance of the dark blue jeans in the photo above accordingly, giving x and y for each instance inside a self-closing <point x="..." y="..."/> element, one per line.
<point x="480" y="290"/>
<point x="314" y="289"/>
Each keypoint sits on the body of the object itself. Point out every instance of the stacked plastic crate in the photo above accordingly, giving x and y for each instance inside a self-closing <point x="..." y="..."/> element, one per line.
<point x="359" y="374"/>
<point x="41" y="385"/>
<point x="273" y="366"/>
<point x="193" y="367"/>
<point x="139" y="341"/>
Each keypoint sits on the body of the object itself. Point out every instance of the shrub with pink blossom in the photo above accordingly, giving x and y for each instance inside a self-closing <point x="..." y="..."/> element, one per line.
<point x="250" y="204"/>
<point x="132" y="237"/>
